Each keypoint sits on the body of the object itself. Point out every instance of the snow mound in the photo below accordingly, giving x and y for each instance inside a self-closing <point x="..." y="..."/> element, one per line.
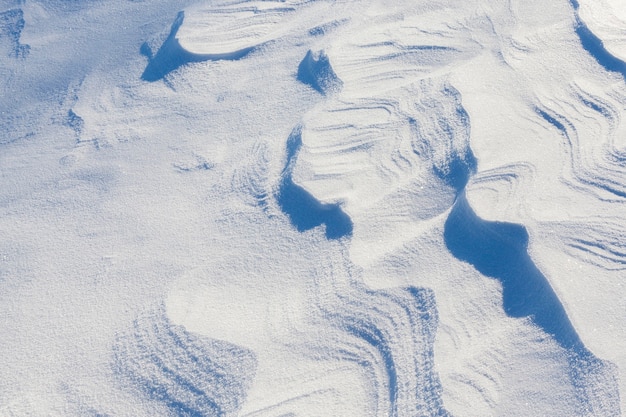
<point x="317" y="72"/>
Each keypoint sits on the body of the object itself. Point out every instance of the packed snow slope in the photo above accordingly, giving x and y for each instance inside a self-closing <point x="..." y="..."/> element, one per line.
<point x="313" y="208"/>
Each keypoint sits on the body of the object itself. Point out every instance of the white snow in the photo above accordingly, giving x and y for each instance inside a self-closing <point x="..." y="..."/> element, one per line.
<point x="151" y="263"/>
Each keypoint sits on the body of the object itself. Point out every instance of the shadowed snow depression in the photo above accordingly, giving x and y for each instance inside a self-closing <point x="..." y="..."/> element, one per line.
<point x="313" y="208"/>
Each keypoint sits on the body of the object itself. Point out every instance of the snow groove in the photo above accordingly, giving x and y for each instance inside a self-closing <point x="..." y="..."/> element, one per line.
<point x="597" y="242"/>
<point x="390" y="334"/>
<point x="190" y="375"/>
<point x="600" y="168"/>
<point x="253" y="179"/>
<point x="391" y="57"/>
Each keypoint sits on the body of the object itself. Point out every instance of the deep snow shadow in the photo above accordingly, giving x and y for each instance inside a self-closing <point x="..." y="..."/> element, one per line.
<point x="304" y="211"/>
<point x="171" y="55"/>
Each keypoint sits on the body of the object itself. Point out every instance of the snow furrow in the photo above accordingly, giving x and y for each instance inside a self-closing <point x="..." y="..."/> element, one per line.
<point x="390" y="335"/>
<point x="188" y="374"/>
<point x="344" y="208"/>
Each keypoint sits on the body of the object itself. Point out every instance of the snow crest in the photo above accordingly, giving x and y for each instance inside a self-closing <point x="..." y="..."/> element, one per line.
<point x="338" y="208"/>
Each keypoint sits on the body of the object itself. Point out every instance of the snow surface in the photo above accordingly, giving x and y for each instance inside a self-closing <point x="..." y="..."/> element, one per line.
<point x="313" y="208"/>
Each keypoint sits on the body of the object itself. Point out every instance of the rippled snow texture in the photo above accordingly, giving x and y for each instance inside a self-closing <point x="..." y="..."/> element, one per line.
<point x="313" y="208"/>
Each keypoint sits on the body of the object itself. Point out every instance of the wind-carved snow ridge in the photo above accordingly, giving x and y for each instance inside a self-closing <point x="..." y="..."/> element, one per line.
<point x="315" y="70"/>
<point x="11" y="26"/>
<point x="410" y="143"/>
<point x="171" y="55"/>
<point x="457" y="162"/>
<point x="443" y="233"/>
<point x="233" y="31"/>
<point x="390" y="335"/>
<point x="601" y="169"/>
<point x="253" y="179"/>
<point x="594" y="45"/>
<point x="390" y="137"/>
<point x="499" y="250"/>
<point x="190" y="375"/>
<point x="304" y="210"/>
<point x="601" y="244"/>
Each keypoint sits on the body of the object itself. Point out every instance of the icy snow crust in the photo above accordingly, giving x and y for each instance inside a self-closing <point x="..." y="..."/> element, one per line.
<point x="313" y="208"/>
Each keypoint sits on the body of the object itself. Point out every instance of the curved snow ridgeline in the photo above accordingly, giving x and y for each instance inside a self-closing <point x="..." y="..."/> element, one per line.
<point x="313" y="208"/>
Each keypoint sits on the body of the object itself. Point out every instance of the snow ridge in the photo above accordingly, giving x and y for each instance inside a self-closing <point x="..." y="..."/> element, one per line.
<point x="390" y="334"/>
<point x="345" y="208"/>
<point x="191" y="376"/>
<point x="594" y="45"/>
<point x="304" y="211"/>
<point x="171" y="55"/>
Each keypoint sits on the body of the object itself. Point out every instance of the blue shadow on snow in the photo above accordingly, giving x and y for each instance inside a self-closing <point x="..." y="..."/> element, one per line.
<point x="171" y="55"/>
<point x="457" y="170"/>
<point x="11" y="25"/>
<point x="318" y="73"/>
<point x="304" y="211"/>
<point x="594" y="45"/>
<point x="500" y="250"/>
